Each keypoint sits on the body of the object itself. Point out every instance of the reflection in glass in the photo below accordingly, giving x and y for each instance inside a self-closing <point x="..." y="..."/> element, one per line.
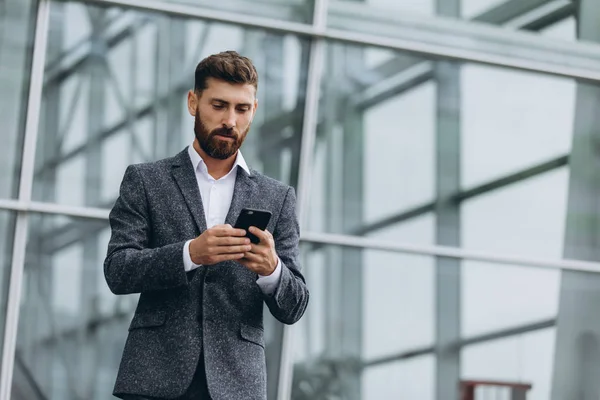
<point x="410" y="379"/>
<point x="513" y="220"/>
<point x="502" y="297"/>
<point x="376" y="124"/>
<point x="526" y="218"/>
<point x="526" y="358"/>
<point x="116" y="95"/>
<point x="370" y="331"/>
<point x="381" y="17"/>
<point x="72" y="329"/>
<point x="504" y="133"/>
<point x="565" y="29"/>
<point x="17" y="23"/>
<point x="377" y="152"/>
<point x="288" y="10"/>
<point x="483" y="10"/>
<point x="366" y="306"/>
<point x="424" y="7"/>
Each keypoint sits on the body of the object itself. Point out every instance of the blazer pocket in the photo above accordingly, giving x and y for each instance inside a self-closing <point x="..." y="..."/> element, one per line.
<point x="252" y="334"/>
<point x="148" y="320"/>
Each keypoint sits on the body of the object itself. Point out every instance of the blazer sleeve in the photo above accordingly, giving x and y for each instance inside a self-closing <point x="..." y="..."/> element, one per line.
<point x="131" y="266"/>
<point x="289" y="301"/>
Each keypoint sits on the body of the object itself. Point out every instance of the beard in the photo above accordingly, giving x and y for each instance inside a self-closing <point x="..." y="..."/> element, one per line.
<point x="214" y="146"/>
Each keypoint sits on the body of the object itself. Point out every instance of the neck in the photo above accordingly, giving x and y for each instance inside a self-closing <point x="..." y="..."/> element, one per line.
<point x="216" y="168"/>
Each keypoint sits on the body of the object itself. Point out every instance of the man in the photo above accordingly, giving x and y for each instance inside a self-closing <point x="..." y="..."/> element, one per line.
<point x="197" y="332"/>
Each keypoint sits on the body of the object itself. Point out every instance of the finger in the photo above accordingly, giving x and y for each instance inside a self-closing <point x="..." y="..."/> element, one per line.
<point x="231" y="249"/>
<point x="231" y="241"/>
<point x="227" y="230"/>
<point x="252" y="257"/>
<point x="262" y="235"/>
<point x="260" y="249"/>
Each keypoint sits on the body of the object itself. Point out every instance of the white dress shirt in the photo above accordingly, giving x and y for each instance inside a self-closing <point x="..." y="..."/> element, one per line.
<point x="216" y="198"/>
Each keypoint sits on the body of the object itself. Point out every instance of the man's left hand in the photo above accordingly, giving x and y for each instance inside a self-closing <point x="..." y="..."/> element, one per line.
<point x="262" y="258"/>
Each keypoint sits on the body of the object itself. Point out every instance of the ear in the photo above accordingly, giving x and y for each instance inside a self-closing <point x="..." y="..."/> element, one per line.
<point x="192" y="103"/>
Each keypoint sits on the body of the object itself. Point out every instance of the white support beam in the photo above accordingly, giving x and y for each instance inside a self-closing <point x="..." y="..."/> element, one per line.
<point x="309" y="133"/>
<point x="56" y="209"/>
<point x="446" y="251"/>
<point x="25" y="190"/>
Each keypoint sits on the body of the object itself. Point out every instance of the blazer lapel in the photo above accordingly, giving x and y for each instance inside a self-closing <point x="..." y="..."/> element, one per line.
<point x="243" y="195"/>
<point x="184" y="175"/>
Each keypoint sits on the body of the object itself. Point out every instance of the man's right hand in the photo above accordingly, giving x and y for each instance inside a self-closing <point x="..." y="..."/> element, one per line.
<point x="219" y="243"/>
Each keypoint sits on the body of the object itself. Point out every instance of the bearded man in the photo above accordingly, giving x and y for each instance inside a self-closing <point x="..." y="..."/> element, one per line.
<point x="197" y="332"/>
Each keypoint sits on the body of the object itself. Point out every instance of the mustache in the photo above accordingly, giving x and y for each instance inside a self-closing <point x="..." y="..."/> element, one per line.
<point x="224" y="132"/>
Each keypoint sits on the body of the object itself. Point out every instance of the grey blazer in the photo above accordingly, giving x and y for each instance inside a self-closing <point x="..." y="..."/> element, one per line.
<point x="218" y="308"/>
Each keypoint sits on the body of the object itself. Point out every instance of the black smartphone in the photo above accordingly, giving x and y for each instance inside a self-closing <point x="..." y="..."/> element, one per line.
<point x="250" y="217"/>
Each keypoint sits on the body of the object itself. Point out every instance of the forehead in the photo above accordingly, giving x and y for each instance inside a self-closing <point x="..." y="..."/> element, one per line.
<point x="233" y="93"/>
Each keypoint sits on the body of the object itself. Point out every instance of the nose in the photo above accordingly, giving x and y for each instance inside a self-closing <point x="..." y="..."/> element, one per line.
<point x="229" y="120"/>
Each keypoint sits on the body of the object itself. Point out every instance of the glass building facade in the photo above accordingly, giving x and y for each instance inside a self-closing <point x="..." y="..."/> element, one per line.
<point x="446" y="156"/>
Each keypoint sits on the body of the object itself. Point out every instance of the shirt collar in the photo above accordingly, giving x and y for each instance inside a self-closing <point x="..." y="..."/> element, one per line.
<point x="197" y="160"/>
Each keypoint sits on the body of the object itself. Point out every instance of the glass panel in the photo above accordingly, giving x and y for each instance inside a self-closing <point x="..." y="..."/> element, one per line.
<point x="72" y="329"/>
<point x="360" y="185"/>
<point x="472" y="8"/>
<point x="377" y="16"/>
<point x="17" y="24"/>
<point x="527" y="358"/>
<point x="7" y="236"/>
<point x="503" y="133"/>
<point x="562" y="30"/>
<point x="526" y="218"/>
<point x="124" y="103"/>
<point x="289" y="10"/>
<point x="410" y="379"/>
<point x="358" y="318"/>
<point x="370" y="329"/>
<point x="496" y="297"/>
<point x="374" y="169"/>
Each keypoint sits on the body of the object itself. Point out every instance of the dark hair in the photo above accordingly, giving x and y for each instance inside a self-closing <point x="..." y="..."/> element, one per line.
<point x="227" y="66"/>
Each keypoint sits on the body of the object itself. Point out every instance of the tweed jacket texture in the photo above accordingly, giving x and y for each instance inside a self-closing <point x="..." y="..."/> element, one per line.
<point x="217" y="309"/>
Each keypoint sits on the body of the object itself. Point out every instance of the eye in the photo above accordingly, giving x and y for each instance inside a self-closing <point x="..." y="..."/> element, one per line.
<point x="242" y="110"/>
<point x="218" y="106"/>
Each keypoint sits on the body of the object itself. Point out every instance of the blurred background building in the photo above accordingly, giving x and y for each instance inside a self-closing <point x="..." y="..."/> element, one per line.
<point x="446" y="155"/>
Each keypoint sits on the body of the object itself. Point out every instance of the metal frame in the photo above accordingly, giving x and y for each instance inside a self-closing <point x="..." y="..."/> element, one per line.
<point x="309" y="132"/>
<point x="448" y="272"/>
<point x="449" y="252"/>
<point x="454" y="40"/>
<point x="319" y="239"/>
<point x="25" y="190"/>
<point x="577" y="330"/>
<point x="449" y="39"/>
<point x="50" y="208"/>
<point x="455" y="346"/>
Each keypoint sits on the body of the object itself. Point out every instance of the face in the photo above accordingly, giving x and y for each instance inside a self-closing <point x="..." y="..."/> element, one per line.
<point x="223" y="114"/>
